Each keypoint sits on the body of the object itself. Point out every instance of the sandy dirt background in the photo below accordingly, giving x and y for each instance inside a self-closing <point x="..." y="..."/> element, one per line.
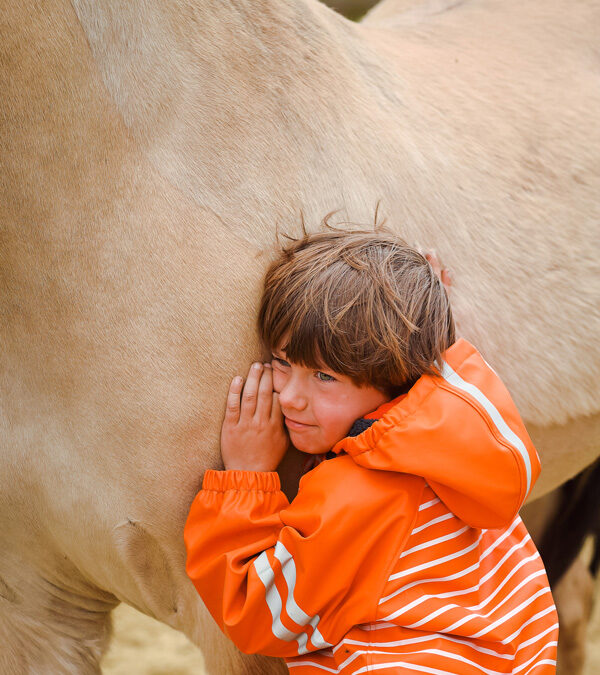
<point x="142" y="646"/>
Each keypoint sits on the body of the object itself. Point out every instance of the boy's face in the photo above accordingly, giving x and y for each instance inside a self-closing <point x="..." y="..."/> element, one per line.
<point x="319" y="406"/>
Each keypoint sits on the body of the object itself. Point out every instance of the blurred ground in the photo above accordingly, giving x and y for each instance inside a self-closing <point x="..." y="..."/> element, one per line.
<point x="142" y="646"/>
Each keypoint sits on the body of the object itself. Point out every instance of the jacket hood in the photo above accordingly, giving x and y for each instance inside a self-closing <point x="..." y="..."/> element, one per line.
<point x="462" y="433"/>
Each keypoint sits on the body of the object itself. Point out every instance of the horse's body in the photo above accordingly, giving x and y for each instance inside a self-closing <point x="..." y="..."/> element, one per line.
<point x="148" y="151"/>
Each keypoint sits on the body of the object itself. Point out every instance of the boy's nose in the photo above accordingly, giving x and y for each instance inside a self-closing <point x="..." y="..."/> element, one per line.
<point x="291" y="396"/>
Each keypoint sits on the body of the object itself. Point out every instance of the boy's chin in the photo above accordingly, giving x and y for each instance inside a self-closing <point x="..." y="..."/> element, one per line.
<point x="306" y="447"/>
<point x="312" y="451"/>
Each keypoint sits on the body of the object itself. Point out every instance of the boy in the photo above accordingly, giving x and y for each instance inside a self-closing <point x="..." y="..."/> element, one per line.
<point x="403" y="551"/>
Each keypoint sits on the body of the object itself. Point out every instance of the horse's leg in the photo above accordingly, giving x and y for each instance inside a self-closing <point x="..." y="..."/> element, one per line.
<point x="47" y="627"/>
<point x="573" y="596"/>
<point x="559" y="523"/>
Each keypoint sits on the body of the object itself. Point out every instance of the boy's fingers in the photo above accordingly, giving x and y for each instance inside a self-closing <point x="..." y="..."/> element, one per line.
<point x="276" y="413"/>
<point x="434" y="261"/>
<point x="250" y="392"/>
<point x="232" y="408"/>
<point x="265" y="392"/>
<point x="442" y="272"/>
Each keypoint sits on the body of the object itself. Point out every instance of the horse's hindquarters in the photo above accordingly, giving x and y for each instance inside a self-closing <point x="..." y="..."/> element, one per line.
<point x="567" y="449"/>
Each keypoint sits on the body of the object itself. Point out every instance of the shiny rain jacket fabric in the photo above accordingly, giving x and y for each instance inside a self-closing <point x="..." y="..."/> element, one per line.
<point x="402" y="554"/>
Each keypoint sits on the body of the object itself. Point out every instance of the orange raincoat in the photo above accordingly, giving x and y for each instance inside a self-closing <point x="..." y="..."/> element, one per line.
<point x="402" y="554"/>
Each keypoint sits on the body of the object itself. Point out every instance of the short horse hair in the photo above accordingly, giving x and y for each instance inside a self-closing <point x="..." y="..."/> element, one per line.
<point x="363" y="304"/>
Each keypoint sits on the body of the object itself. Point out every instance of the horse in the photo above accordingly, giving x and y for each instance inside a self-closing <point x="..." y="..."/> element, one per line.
<point x="151" y="151"/>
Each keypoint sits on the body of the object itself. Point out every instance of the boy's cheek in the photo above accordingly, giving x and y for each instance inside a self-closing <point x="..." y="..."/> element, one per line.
<point x="277" y="381"/>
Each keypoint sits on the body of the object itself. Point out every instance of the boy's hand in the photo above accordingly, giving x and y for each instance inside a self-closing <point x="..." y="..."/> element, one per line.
<point x="253" y="437"/>
<point x="442" y="272"/>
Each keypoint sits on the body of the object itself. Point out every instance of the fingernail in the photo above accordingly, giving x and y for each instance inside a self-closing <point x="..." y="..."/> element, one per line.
<point x="266" y="365"/>
<point x="237" y="380"/>
<point x="257" y="366"/>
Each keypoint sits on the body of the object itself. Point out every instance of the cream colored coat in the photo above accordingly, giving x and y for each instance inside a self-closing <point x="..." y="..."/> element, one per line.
<point x="147" y="152"/>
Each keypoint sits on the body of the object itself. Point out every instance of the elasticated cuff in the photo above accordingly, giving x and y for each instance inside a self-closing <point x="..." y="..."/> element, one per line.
<point x="257" y="481"/>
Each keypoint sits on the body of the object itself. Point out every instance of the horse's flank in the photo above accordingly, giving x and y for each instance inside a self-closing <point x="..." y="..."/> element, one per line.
<point x="468" y="143"/>
<point x="148" y="152"/>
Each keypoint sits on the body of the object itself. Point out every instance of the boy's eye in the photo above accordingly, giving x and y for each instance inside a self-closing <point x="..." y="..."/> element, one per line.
<point x="281" y="362"/>
<point x="324" y="377"/>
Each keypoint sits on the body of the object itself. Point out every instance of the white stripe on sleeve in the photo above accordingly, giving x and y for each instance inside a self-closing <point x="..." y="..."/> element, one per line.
<point x="288" y="567"/>
<point x="273" y="599"/>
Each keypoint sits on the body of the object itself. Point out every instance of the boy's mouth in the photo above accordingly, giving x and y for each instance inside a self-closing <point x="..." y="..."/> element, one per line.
<point x="296" y="426"/>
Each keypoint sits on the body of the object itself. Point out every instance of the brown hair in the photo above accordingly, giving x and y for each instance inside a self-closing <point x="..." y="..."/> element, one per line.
<point x="364" y="304"/>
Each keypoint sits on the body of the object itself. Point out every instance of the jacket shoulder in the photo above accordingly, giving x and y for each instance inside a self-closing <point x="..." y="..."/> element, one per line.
<point x="341" y="483"/>
<point x="344" y="467"/>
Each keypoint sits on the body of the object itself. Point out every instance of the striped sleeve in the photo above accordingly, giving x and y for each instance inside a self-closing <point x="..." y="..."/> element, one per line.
<point x="286" y="579"/>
